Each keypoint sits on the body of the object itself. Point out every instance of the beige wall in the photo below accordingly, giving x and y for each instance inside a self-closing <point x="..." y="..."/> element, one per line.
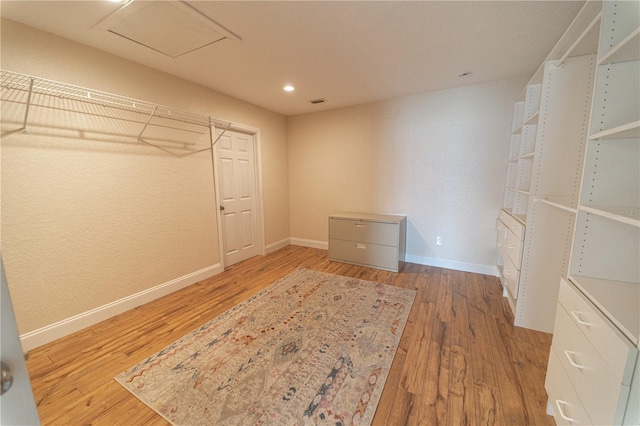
<point x="438" y="157"/>
<point x="86" y="223"/>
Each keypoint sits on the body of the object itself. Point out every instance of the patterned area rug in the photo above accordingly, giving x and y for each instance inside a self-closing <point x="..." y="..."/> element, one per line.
<point x="313" y="348"/>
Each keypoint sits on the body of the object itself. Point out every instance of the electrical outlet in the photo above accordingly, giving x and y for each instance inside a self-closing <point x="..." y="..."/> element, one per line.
<point x="439" y="240"/>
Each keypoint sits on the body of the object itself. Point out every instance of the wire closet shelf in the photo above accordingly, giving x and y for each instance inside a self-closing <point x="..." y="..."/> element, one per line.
<point x="159" y="126"/>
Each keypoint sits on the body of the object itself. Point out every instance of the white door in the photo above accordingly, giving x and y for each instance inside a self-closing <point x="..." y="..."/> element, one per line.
<point x="235" y="161"/>
<point x="17" y="406"/>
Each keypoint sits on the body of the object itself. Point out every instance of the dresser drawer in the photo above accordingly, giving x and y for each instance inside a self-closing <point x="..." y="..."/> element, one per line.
<point x="616" y="350"/>
<point x="511" y="276"/>
<point x="379" y="256"/>
<point x="514" y="248"/>
<point x="364" y="231"/>
<point x="512" y="224"/>
<point x="567" y="407"/>
<point x="601" y="392"/>
<point x="501" y="234"/>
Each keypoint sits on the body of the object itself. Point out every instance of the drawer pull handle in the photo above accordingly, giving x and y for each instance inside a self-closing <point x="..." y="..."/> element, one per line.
<point x="513" y="227"/>
<point x="507" y="272"/>
<point x="576" y="316"/>
<point x="360" y="225"/>
<point x="561" y="411"/>
<point x="569" y="354"/>
<point x="512" y="247"/>
<point x="361" y="246"/>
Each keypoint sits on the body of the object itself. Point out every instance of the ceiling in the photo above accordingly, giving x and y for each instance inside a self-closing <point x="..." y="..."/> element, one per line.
<point x="347" y="52"/>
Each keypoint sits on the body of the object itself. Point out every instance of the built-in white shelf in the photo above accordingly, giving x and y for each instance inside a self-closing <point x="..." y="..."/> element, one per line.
<point x="522" y="218"/>
<point x="627" y="50"/>
<point x="557" y="202"/>
<point x="533" y="119"/>
<point x="604" y="228"/>
<point x="526" y="156"/>
<point x="625" y="131"/>
<point x="551" y="141"/>
<point x="628" y="215"/>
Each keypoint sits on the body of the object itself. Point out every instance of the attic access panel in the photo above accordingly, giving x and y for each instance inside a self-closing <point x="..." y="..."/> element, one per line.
<point x="173" y="28"/>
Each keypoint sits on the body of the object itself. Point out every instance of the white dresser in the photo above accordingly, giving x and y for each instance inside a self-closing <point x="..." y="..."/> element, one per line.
<point x="377" y="241"/>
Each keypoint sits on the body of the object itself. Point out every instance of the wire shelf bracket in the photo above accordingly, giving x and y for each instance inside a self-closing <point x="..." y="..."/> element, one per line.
<point x="26" y="111"/>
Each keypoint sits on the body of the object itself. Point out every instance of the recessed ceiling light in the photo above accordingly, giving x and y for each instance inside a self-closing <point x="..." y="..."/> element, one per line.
<point x="465" y="74"/>
<point x="289" y="88"/>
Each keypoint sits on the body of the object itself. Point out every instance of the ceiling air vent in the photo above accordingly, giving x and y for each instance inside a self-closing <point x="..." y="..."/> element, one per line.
<point x="318" y="101"/>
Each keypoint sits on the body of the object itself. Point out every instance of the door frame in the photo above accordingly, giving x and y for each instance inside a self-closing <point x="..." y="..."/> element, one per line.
<point x="257" y="159"/>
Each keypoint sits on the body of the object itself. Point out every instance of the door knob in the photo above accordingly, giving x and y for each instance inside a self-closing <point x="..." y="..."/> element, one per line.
<point x="7" y="378"/>
<point x="221" y="208"/>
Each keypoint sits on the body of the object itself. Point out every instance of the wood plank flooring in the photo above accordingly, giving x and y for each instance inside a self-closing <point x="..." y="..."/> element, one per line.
<point x="460" y="360"/>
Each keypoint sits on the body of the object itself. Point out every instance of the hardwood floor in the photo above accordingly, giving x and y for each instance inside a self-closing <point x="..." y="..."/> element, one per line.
<point x="460" y="360"/>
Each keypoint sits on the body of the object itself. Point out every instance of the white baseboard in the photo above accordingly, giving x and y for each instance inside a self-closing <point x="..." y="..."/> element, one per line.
<point x="452" y="264"/>
<point x="49" y="333"/>
<point x="413" y="258"/>
<point x="324" y="245"/>
<point x="276" y="246"/>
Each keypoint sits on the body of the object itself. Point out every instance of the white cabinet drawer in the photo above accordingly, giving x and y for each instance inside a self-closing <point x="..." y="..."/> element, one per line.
<point x="616" y="350"/>
<point x="512" y="224"/>
<point x="501" y="234"/>
<point x="601" y="392"/>
<point x="379" y="256"/>
<point x="567" y="407"/>
<point x="514" y="248"/>
<point x="364" y="231"/>
<point x="511" y="276"/>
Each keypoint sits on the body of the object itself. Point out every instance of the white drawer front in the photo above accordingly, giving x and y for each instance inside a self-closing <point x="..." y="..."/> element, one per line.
<point x="512" y="224"/>
<point x="364" y="232"/>
<point x="511" y="276"/>
<point x="379" y="256"/>
<point x="501" y="234"/>
<point x="514" y="248"/>
<point x="619" y="354"/>
<point x="602" y="394"/>
<point x="567" y="407"/>
<point x="502" y="250"/>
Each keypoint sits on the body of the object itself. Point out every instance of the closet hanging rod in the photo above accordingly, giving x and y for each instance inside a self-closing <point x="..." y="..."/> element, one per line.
<point x="14" y="81"/>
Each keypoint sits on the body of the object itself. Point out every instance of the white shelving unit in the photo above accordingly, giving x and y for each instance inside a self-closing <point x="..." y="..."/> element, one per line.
<point x="550" y="129"/>
<point x="606" y="248"/>
<point x="604" y="266"/>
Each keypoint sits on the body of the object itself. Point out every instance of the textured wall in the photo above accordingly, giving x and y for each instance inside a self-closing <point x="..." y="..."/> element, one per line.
<point x="87" y="221"/>
<point x="438" y="157"/>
